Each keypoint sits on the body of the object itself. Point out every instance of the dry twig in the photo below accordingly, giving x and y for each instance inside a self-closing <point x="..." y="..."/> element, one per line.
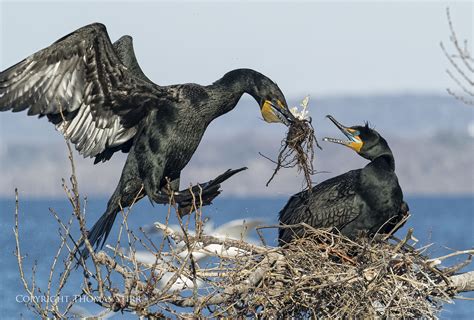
<point x="463" y="64"/>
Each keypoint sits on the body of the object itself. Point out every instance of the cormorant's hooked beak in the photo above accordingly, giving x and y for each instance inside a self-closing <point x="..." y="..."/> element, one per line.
<point x="276" y="111"/>
<point x="354" y="142"/>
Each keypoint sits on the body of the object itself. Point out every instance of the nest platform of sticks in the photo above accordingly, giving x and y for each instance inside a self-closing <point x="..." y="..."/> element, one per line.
<point x="326" y="275"/>
<point x="323" y="275"/>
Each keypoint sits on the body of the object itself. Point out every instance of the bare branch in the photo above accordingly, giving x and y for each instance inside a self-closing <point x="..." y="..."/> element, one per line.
<point x="463" y="64"/>
<point x="463" y="282"/>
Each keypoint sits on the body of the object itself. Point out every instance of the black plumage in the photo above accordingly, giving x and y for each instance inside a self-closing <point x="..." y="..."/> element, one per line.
<point x="367" y="200"/>
<point x="99" y="98"/>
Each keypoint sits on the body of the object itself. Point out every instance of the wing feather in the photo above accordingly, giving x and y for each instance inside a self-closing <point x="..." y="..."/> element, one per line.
<point x="83" y="87"/>
<point x="329" y="204"/>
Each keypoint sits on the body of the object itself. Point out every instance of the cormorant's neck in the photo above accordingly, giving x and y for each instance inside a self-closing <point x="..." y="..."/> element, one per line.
<point x="382" y="156"/>
<point x="384" y="161"/>
<point x="230" y="88"/>
<point x="241" y="81"/>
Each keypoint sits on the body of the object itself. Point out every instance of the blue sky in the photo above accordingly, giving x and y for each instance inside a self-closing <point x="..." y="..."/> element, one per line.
<point x="306" y="47"/>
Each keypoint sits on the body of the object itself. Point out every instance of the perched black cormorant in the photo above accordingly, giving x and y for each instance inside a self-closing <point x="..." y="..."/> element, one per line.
<point x="98" y="97"/>
<point x="367" y="200"/>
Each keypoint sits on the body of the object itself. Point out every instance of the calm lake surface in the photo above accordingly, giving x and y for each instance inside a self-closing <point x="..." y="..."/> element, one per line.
<point x="446" y="222"/>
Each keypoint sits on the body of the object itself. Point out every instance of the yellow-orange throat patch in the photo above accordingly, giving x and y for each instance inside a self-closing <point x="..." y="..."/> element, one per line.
<point x="356" y="146"/>
<point x="268" y="113"/>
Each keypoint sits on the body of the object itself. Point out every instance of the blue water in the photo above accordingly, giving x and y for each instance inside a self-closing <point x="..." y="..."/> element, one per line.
<point x="447" y="222"/>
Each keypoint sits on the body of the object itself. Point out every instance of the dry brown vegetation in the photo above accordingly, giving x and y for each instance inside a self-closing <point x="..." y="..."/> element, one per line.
<point x="323" y="274"/>
<point x="297" y="150"/>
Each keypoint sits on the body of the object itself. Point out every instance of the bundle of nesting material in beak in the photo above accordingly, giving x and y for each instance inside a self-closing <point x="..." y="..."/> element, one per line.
<point x="297" y="148"/>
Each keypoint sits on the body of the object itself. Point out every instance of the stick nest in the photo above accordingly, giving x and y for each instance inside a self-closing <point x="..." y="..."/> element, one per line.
<point x="297" y="150"/>
<point x="327" y="275"/>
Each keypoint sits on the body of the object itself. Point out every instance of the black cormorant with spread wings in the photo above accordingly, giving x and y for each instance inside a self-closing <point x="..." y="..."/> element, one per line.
<point x="99" y="98"/>
<point x="367" y="200"/>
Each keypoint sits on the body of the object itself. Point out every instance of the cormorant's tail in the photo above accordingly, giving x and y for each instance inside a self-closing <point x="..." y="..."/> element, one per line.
<point x="99" y="232"/>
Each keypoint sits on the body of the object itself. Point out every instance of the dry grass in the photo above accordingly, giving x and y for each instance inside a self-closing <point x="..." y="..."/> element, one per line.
<point x="297" y="150"/>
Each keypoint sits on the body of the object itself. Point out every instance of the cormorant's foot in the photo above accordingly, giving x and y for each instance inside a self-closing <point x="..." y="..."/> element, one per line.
<point x="404" y="209"/>
<point x="202" y="194"/>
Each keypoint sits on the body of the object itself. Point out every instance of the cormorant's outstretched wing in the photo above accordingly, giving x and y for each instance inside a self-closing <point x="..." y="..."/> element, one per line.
<point x="330" y="204"/>
<point x="124" y="49"/>
<point x="82" y="86"/>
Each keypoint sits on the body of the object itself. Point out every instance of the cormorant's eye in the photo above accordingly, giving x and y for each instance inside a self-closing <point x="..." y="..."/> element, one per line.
<point x="356" y="133"/>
